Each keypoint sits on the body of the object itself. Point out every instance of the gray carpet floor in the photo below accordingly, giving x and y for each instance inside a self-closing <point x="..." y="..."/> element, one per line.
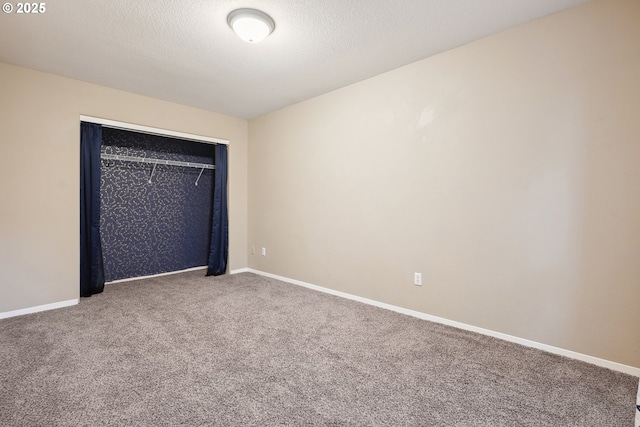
<point x="246" y="350"/>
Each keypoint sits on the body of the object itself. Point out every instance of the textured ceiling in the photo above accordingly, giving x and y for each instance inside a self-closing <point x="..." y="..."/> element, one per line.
<point x="183" y="51"/>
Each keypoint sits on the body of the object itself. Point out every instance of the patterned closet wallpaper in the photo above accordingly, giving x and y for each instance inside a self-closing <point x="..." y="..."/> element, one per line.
<point x="162" y="226"/>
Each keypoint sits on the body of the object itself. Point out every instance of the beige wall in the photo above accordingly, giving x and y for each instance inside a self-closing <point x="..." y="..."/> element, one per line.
<point x="507" y="171"/>
<point x="39" y="176"/>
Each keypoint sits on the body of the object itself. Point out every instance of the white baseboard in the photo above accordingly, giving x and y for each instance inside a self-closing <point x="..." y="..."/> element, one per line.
<point x="130" y="279"/>
<point x="239" y="270"/>
<point x="75" y="301"/>
<point x="38" y="308"/>
<point x="631" y="370"/>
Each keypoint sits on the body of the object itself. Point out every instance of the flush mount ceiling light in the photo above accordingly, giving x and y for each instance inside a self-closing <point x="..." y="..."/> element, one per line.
<point x="251" y="25"/>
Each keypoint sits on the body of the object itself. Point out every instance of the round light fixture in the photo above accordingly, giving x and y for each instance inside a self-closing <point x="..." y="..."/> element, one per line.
<point x="251" y="25"/>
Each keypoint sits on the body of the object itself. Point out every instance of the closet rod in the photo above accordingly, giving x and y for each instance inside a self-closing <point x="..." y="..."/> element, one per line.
<point x="155" y="161"/>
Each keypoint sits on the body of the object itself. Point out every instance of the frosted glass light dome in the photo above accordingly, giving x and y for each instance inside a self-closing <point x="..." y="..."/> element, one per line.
<point x="251" y="25"/>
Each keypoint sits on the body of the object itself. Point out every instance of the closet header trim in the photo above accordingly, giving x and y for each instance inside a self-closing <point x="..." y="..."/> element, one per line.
<point x="154" y="131"/>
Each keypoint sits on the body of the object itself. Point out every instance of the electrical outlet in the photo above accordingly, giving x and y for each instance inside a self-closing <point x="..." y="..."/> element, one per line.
<point x="264" y="251"/>
<point x="253" y="250"/>
<point x="417" y="279"/>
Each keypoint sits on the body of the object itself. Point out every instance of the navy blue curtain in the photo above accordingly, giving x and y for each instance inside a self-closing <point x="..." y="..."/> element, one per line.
<point x="91" y="263"/>
<point x="219" y="249"/>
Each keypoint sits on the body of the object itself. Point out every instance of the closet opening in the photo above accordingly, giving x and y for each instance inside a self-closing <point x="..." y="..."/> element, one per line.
<point x="152" y="202"/>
